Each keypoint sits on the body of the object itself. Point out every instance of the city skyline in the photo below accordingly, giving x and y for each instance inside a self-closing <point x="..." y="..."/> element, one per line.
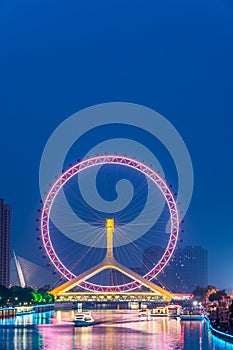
<point x="49" y="72"/>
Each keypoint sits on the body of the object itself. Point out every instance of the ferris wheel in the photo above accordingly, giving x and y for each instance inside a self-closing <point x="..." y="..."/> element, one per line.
<point x="107" y="231"/>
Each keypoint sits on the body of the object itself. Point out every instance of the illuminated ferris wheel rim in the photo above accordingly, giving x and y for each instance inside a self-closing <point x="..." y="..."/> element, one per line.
<point x="101" y="160"/>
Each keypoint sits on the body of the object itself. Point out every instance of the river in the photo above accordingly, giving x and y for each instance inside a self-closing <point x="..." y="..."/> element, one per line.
<point x="116" y="330"/>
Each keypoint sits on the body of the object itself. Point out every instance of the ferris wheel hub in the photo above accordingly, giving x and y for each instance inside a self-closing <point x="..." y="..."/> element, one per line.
<point x="110" y="224"/>
<point x="109" y="231"/>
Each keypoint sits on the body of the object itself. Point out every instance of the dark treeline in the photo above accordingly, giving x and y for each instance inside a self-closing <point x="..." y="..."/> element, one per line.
<point x="17" y="295"/>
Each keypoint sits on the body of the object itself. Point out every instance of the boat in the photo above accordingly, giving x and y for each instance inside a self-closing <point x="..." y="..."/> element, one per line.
<point x="170" y="310"/>
<point x="173" y="310"/>
<point x="192" y="315"/>
<point x="159" y="311"/>
<point x="144" y="315"/>
<point x="83" y="319"/>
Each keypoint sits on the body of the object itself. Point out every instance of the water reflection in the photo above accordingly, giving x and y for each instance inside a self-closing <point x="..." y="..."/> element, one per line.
<point x="19" y="339"/>
<point x="113" y="330"/>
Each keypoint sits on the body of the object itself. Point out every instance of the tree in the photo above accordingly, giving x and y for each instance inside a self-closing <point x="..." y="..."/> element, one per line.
<point x="4" y="295"/>
<point x="19" y="295"/>
<point x="45" y="297"/>
<point x="218" y="295"/>
<point x="199" y="293"/>
<point x="231" y="310"/>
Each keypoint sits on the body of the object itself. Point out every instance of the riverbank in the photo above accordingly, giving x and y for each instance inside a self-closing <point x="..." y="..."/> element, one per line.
<point x="9" y="312"/>
<point x="224" y="336"/>
<point x="219" y="333"/>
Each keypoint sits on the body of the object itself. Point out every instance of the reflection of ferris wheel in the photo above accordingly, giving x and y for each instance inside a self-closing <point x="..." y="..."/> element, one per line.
<point x="125" y="162"/>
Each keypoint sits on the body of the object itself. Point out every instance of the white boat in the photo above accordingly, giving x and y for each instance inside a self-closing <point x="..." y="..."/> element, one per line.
<point x="159" y="311"/>
<point x="83" y="319"/>
<point x="192" y="315"/>
<point x="173" y="310"/>
<point x="144" y="315"/>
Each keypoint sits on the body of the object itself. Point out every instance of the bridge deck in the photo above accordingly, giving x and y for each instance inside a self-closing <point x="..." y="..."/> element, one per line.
<point x="85" y="296"/>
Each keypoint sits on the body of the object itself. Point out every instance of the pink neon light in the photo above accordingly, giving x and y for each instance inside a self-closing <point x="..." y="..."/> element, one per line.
<point x="124" y="161"/>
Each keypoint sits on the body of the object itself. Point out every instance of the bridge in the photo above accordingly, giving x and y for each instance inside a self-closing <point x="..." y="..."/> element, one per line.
<point x="156" y="293"/>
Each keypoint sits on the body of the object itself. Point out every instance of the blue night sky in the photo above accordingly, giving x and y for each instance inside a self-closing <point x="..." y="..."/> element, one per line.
<point x="176" y="57"/>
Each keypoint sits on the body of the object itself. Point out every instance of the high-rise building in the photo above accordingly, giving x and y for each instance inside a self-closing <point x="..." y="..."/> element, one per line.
<point x="186" y="270"/>
<point x="5" y="218"/>
<point x="192" y="265"/>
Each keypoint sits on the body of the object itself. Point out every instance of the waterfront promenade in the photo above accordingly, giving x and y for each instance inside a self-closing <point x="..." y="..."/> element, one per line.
<point x="8" y="312"/>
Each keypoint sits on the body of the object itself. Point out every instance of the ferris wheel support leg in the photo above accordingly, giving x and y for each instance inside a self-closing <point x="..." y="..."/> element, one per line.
<point x="110" y="262"/>
<point x="143" y="281"/>
<point x="79" y="279"/>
